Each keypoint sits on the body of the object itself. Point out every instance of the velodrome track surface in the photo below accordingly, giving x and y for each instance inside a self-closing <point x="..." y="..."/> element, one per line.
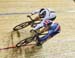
<point x="60" y="46"/>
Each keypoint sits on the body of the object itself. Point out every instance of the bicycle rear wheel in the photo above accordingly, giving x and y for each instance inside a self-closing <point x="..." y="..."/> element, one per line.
<point x="22" y="25"/>
<point x="24" y="42"/>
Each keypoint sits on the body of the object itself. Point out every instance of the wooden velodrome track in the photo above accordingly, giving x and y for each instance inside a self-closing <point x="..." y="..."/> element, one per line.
<point x="60" y="46"/>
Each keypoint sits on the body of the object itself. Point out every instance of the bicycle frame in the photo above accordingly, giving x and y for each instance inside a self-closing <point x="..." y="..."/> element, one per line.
<point x="24" y="42"/>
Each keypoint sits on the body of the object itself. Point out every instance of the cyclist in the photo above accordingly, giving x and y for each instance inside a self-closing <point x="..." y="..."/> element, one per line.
<point x="53" y="28"/>
<point x="44" y="14"/>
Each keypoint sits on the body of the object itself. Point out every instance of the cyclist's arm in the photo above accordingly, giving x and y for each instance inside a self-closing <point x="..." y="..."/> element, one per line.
<point x="38" y="26"/>
<point x="35" y="12"/>
<point x="44" y="29"/>
<point x="37" y="18"/>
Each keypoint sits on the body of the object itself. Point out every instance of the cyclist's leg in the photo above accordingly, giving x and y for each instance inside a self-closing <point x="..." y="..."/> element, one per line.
<point x="44" y="38"/>
<point x="49" y="35"/>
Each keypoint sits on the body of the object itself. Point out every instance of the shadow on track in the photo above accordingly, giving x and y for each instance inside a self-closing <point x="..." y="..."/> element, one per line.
<point x="22" y="52"/>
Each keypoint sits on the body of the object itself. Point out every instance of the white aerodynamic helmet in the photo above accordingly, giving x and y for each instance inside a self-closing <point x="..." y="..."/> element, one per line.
<point x="42" y="13"/>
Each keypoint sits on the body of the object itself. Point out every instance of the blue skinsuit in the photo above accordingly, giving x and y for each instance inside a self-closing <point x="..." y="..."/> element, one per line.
<point x="53" y="30"/>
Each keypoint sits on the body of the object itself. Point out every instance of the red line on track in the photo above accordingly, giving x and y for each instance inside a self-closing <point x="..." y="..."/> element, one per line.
<point x="14" y="47"/>
<point x="8" y="48"/>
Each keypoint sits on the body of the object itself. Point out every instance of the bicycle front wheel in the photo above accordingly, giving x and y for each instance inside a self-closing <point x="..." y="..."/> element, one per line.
<point x="22" y="25"/>
<point x="24" y="42"/>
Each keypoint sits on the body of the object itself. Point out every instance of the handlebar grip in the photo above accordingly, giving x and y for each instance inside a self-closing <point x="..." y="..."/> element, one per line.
<point x="29" y="17"/>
